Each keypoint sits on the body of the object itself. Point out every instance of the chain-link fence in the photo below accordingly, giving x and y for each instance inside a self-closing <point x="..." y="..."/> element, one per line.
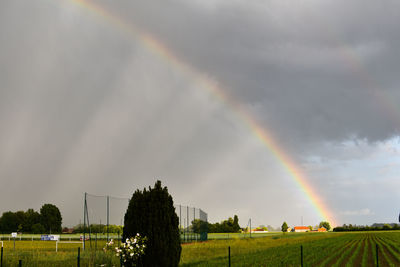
<point x="193" y="223"/>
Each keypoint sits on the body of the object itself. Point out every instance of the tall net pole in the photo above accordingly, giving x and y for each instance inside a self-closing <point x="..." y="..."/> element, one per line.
<point x="180" y="221"/>
<point x="187" y="220"/>
<point x="84" y="219"/>
<point x="108" y="214"/>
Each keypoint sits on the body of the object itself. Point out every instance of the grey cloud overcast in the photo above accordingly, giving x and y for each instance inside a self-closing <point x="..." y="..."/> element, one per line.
<point x="85" y="107"/>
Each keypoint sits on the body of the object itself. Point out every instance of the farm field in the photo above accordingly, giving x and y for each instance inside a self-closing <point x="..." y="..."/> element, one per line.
<point x="275" y="249"/>
<point x="320" y="249"/>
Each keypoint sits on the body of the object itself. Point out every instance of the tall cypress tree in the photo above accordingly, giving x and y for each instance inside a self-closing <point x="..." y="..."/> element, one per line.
<point x="151" y="213"/>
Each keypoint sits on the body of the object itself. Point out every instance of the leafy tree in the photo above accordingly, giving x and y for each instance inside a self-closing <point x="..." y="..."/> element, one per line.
<point x="326" y="225"/>
<point x="151" y="213"/>
<point x="284" y="227"/>
<point x="236" y="226"/>
<point x="386" y="227"/>
<point x="31" y="217"/>
<point x="20" y="220"/>
<point x="50" y="218"/>
<point x="199" y="226"/>
<point x="8" y="222"/>
<point x="37" y="228"/>
<point x="226" y="226"/>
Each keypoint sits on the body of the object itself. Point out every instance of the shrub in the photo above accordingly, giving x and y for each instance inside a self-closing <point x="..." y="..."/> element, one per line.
<point x="151" y="213"/>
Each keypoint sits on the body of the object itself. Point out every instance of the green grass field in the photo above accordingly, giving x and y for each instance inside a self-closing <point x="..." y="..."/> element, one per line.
<point x="319" y="249"/>
<point x="274" y="249"/>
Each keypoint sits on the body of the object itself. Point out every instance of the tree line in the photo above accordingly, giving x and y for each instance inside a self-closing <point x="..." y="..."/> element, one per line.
<point x="374" y="227"/>
<point x="48" y="220"/>
<point x="98" y="228"/>
<point x="231" y="225"/>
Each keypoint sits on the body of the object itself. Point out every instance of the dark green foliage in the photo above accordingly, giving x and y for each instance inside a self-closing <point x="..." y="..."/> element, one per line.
<point x="226" y="226"/>
<point x="98" y="228"/>
<point x="199" y="226"/>
<point x="8" y="222"/>
<point x="50" y="218"/>
<point x="374" y="227"/>
<point x="284" y="227"/>
<point x="326" y="225"/>
<point x="31" y="218"/>
<point x="151" y="213"/>
<point x="21" y="221"/>
<point x="37" y="228"/>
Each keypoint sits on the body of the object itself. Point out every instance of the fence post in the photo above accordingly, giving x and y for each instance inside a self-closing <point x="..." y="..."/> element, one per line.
<point x="79" y="256"/>
<point x="1" y="260"/>
<point x="229" y="256"/>
<point x="20" y="263"/>
<point x="301" y="252"/>
<point x="377" y="256"/>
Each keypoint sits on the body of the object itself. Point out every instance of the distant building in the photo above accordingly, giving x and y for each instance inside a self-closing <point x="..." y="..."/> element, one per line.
<point x="301" y="229"/>
<point x="259" y="230"/>
<point x="321" y="229"/>
<point x="289" y="229"/>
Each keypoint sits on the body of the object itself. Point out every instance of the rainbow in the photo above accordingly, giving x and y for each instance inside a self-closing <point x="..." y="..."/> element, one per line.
<point x="156" y="47"/>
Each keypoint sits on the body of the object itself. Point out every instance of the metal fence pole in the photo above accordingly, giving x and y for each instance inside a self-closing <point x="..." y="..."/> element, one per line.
<point x="301" y="252"/>
<point x="79" y="257"/>
<point x="229" y="256"/>
<point x="1" y="258"/>
<point x="20" y="263"/>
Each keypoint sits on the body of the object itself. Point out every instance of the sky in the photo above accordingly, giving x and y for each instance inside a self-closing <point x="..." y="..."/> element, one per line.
<point x="107" y="97"/>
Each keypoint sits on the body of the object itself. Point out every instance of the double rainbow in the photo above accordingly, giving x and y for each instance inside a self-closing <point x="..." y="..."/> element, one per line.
<point x="157" y="48"/>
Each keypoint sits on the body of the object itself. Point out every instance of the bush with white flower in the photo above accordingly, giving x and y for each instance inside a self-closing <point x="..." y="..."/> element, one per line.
<point x="129" y="251"/>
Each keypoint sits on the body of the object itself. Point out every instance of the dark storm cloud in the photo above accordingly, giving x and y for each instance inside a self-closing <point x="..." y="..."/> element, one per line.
<point x="313" y="68"/>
